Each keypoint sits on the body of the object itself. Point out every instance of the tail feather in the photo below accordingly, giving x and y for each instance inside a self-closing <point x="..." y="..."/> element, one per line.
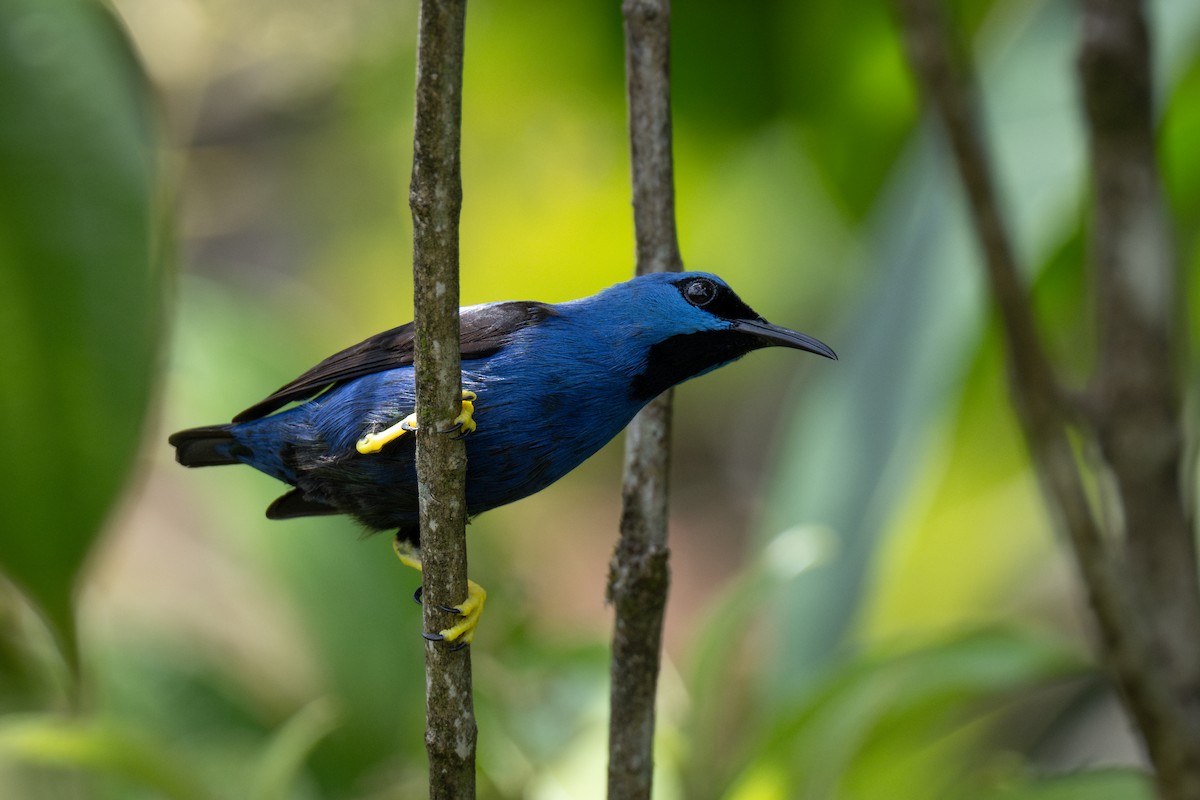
<point x="209" y="446"/>
<point x="295" y="504"/>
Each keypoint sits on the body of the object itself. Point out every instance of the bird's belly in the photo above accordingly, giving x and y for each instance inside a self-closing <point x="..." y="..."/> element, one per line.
<point x="508" y="460"/>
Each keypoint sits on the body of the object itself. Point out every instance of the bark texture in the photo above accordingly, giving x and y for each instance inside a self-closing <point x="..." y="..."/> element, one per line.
<point x="435" y="198"/>
<point x="1136" y="394"/>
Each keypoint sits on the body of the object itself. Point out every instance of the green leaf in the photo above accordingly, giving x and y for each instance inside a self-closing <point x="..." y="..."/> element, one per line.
<point x="80" y="286"/>
<point x="905" y="724"/>
<point x="101" y="747"/>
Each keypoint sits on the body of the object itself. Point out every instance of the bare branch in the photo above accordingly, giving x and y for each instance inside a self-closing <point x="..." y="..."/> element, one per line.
<point x="648" y="88"/>
<point x="1148" y="616"/>
<point x="436" y="198"/>
<point x="638" y="581"/>
<point x="639" y="575"/>
<point x="1136" y="391"/>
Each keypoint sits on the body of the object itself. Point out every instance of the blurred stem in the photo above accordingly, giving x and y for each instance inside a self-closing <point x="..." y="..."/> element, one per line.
<point x="1140" y="578"/>
<point x="1136" y="406"/>
<point x="436" y="199"/>
<point x="639" y="577"/>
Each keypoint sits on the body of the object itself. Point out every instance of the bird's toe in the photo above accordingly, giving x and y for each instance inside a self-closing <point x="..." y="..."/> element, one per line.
<point x="470" y="610"/>
<point x="464" y="423"/>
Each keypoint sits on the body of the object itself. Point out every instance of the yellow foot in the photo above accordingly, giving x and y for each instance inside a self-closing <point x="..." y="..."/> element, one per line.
<point x="464" y="423"/>
<point x="471" y="609"/>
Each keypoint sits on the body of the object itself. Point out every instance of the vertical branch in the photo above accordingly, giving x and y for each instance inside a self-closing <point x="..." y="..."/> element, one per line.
<point x="1136" y="391"/>
<point x="1141" y="579"/>
<point x="648" y="87"/>
<point x="639" y="576"/>
<point x="435" y="197"/>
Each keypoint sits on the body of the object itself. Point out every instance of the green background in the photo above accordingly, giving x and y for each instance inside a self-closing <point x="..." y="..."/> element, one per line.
<point x="201" y="198"/>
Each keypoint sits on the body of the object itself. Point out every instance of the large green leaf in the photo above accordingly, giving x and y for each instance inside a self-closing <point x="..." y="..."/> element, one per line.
<point x="79" y="286"/>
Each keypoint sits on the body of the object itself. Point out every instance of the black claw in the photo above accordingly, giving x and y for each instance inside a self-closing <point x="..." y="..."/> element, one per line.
<point x="437" y="637"/>
<point x="417" y="594"/>
<point x="452" y="610"/>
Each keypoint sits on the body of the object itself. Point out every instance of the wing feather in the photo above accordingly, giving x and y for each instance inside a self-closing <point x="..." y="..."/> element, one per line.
<point x="484" y="331"/>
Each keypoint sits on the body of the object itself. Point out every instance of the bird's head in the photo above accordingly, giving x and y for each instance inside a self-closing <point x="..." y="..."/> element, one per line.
<point x="692" y="323"/>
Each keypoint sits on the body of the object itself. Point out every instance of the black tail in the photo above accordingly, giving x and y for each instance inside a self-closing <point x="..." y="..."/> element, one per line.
<point x="207" y="447"/>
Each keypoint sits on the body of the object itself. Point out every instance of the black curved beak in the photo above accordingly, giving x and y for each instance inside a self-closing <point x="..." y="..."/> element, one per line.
<point x="776" y="336"/>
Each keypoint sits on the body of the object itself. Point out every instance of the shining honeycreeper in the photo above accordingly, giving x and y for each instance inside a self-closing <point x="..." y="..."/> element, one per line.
<point x="544" y="387"/>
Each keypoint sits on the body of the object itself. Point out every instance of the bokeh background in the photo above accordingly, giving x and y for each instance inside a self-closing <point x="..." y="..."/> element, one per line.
<point x="201" y="198"/>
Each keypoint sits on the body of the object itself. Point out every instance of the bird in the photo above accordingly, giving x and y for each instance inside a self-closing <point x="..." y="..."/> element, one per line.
<point x="544" y="386"/>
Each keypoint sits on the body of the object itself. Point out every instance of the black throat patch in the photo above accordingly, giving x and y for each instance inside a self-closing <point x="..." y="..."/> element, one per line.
<point x="686" y="355"/>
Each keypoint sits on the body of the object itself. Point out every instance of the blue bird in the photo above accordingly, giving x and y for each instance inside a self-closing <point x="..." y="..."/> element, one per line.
<point x="544" y="387"/>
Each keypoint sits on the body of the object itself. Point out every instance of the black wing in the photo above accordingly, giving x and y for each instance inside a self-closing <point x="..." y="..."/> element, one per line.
<point x="484" y="330"/>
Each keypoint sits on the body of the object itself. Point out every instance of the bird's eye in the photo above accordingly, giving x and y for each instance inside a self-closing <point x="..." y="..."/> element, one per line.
<point x="700" y="292"/>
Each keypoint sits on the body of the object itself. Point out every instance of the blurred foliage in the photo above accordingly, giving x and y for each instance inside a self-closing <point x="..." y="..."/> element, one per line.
<point x="898" y="621"/>
<point x="80" y="298"/>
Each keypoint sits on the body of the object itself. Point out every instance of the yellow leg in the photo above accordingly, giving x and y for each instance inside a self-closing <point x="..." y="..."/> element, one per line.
<point x="464" y="423"/>
<point x="409" y="556"/>
<point x="470" y="609"/>
<point x="374" y="442"/>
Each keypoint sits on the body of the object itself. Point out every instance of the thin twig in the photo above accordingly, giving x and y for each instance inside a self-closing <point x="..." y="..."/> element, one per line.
<point x="1160" y="693"/>
<point x="436" y="198"/>
<point x="639" y="576"/>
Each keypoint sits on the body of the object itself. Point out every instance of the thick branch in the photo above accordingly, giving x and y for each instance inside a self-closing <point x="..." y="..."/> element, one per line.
<point x="639" y="576"/>
<point x="1137" y="408"/>
<point x="436" y="198"/>
<point x="1135" y="645"/>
